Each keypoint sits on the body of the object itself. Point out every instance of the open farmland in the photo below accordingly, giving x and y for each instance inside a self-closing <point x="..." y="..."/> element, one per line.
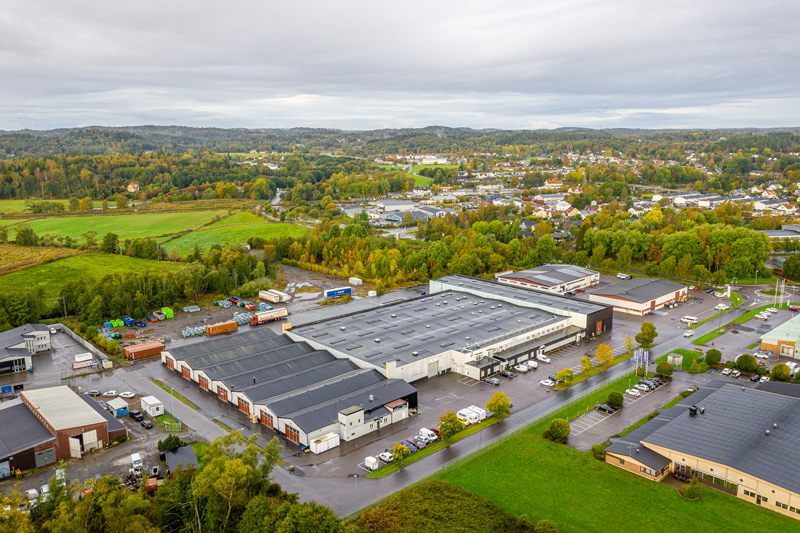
<point x="133" y="226"/>
<point x="51" y="276"/>
<point x="17" y="257"/>
<point x="208" y="237"/>
<point x="240" y="217"/>
<point x="18" y="206"/>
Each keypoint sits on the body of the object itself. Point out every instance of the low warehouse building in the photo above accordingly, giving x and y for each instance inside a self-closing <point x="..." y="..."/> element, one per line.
<point x="140" y="351"/>
<point x="19" y="344"/>
<point x="737" y="440"/>
<point x="551" y="278"/>
<point x="24" y="442"/>
<point x="640" y="296"/>
<point x="291" y="387"/>
<point x="783" y="339"/>
<point x="471" y="326"/>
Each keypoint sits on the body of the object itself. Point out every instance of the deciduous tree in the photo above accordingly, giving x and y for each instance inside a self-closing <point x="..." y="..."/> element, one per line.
<point x="604" y="354"/>
<point x="499" y="404"/>
<point x="449" y="425"/>
<point x="647" y="335"/>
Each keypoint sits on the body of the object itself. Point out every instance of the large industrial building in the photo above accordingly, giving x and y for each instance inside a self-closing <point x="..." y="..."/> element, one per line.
<point x="19" y="344"/>
<point x="735" y="439"/>
<point x="783" y="340"/>
<point x="299" y="391"/>
<point x="45" y="425"/>
<point x="467" y="325"/>
<point x="552" y="278"/>
<point x="640" y="296"/>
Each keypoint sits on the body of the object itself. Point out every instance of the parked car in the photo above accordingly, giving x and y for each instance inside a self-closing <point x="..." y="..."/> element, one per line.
<point x="622" y="275"/>
<point x="722" y="307"/>
<point x="763" y="379"/>
<point x="569" y="293"/>
<point x="543" y="358"/>
<point x="762" y="355"/>
<point x="127" y="394"/>
<point x="522" y="367"/>
<point x="386" y="457"/>
<point x="32" y="494"/>
<point x="735" y="374"/>
<point x="136" y="415"/>
<point x="633" y="392"/>
<point x="416" y="441"/>
<point x="533" y="365"/>
<point x="605" y="408"/>
<point x="146" y="424"/>
<point x="580" y="290"/>
<point x="102" y="404"/>
<point x="772" y="310"/>
<point x="709" y="290"/>
<point x="547" y="383"/>
<point x="110" y="394"/>
<point x="53" y="331"/>
<point x="794" y="308"/>
<point x="93" y="393"/>
<point x="694" y="288"/>
<point x="762" y="316"/>
<point x="688" y="333"/>
<point x="508" y="374"/>
<point x="492" y="381"/>
<point x="727" y="371"/>
<point x="643" y="388"/>
<point x="657" y="380"/>
<point x="409" y="445"/>
<point x="755" y="377"/>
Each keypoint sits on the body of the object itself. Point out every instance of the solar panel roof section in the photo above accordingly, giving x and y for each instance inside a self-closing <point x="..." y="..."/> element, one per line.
<point x="278" y="369"/>
<point x="235" y="364"/>
<point x="185" y="353"/>
<point x="437" y="323"/>
<point x="732" y="432"/>
<point x="324" y="413"/>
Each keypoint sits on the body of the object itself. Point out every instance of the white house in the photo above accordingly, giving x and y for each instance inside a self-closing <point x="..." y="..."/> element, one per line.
<point x="152" y="406"/>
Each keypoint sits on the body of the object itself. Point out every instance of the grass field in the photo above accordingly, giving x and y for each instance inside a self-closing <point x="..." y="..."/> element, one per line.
<point x="206" y="238"/>
<point x="18" y="206"/>
<point x="528" y="475"/>
<point x="52" y="276"/>
<point x="240" y="217"/>
<point x="134" y="226"/>
<point x="15" y="257"/>
<point x="688" y="357"/>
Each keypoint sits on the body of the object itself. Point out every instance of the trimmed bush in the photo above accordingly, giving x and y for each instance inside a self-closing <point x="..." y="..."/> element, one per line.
<point x="665" y="369"/>
<point x="599" y="452"/>
<point x="692" y="490"/>
<point x="558" y="431"/>
<point x="713" y="357"/>
<point x="746" y="363"/>
<point x="614" y="400"/>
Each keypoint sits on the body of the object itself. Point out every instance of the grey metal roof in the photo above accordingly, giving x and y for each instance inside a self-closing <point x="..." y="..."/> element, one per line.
<point x="786" y="389"/>
<point x="450" y="320"/>
<point x="277" y="369"/>
<point x="298" y="380"/>
<point x="183" y="458"/>
<point x="217" y="358"/>
<point x="305" y="399"/>
<point x="14" y="336"/>
<point x="551" y="275"/>
<point x="245" y="358"/>
<point x="184" y="353"/>
<point x="322" y="414"/>
<point x="112" y="423"/>
<point x="640" y="290"/>
<point x="732" y="429"/>
<point x="21" y="429"/>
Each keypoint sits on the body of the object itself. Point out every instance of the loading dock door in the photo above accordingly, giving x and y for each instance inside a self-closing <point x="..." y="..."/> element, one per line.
<point x="75" y="447"/>
<point x="433" y="368"/>
<point x="90" y="440"/>
<point x="5" y="470"/>
<point x="45" y="457"/>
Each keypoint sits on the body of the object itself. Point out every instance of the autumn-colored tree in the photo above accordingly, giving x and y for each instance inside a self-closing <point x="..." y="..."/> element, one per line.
<point x="449" y="425"/>
<point x="604" y="354"/>
<point x="499" y="404"/>
<point x="586" y="364"/>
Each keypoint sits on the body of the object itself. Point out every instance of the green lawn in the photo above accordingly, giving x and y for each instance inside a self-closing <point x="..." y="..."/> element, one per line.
<point x="688" y="357"/>
<point x="171" y="391"/>
<point x="51" y="276"/>
<point x="131" y="226"/>
<point x="420" y="181"/>
<point x="18" y="206"/>
<point x="240" y="217"/>
<point x="528" y="475"/>
<point x="206" y="238"/>
<point x="708" y="337"/>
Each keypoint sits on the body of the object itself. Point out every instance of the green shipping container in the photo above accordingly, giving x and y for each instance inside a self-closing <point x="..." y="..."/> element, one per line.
<point x="167" y="311"/>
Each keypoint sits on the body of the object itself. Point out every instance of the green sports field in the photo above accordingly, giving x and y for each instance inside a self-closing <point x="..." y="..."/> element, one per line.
<point x="232" y="233"/>
<point x="51" y="276"/>
<point x="133" y="226"/>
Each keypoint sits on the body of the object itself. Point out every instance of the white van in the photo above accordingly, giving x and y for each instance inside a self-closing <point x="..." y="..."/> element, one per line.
<point x="470" y="415"/>
<point x="428" y="434"/>
<point x="371" y="463"/>
<point x="479" y="411"/>
<point x="689" y="319"/>
<point x="624" y="276"/>
<point x="136" y="461"/>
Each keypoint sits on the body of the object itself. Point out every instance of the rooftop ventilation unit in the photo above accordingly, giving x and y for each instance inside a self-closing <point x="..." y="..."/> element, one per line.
<point x="472" y="313"/>
<point x="460" y="284"/>
<point x="466" y="338"/>
<point x="342" y="328"/>
<point x="394" y="316"/>
<point x="377" y="340"/>
<point x="415" y="354"/>
<point x="371" y="397"/>
<point x="775" y="426"/>
<point x="445" y="302"/>
<point x="767" y="432"/>
<point x="693" y="410"/>
<point x="703" y="410"/>
<point x="427" y="325"/>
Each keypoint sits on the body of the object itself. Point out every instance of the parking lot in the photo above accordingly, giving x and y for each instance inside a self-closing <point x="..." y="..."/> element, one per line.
<point x="48" y="368"/>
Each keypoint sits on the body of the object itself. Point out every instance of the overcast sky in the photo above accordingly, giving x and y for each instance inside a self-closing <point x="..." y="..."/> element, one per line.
<point x="375" y="64"/>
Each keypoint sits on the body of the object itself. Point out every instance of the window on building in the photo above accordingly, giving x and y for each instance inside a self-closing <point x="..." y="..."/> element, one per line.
<point x="648" y="471"/>
<point x="681" y="468"/>
<point x="763" y="499"/>
<point x="622" y="461"/>
<point x="749" y="493"/>
<point x="781" y="505"/>
<point x="732" y="486"/>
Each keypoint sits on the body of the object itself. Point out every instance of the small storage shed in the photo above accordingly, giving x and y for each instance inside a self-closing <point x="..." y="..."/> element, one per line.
<point x="140" y="351"/>
<point x="118" y="407"/>
<point x="182" y="459"/>
<point x="152" y="406"/>
<point x="324" y="443"/>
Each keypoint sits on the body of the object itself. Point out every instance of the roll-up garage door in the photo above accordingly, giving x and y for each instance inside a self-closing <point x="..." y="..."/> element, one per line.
<point x="45" y="457"/>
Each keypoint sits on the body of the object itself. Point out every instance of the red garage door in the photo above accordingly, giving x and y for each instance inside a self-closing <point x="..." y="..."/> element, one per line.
<point x="244" y="406"/>
<point x="292" y="434"/>
<point x="222" y="394"/>
<point x="203" y="383"/>
<point x="185" y="373"/>
<point x="170" y="363"/>
<point x="267" y="420"/>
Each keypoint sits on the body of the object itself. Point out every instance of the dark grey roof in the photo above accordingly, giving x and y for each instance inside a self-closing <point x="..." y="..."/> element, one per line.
<point x="112" y="423"/>
<point x="278" y="369"/>
<point x="183" y="458"/>
<point x="304" y="378"/>
<point x="325" y="413"/>
<point x="551" y="275"/>
<point x="732" y="432"/>
<point x="786" y="389"/>
<point x="465" y="318"/>
<point x="240" y="352"/>
<point x="184" y="353"/>
<point x="21" y="429"/>
<point x="245" y="358"/>
<point x="640" y="290"/>
<point x="305" y="399"/>
<point x="14" y="336"/>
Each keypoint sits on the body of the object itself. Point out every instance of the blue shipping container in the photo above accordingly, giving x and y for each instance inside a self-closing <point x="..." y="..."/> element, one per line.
<point x="335" y="293"/>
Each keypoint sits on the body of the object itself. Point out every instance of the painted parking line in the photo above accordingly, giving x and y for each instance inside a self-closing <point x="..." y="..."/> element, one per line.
<point x="594" y="417"/>
<point x="469" y="382"/>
